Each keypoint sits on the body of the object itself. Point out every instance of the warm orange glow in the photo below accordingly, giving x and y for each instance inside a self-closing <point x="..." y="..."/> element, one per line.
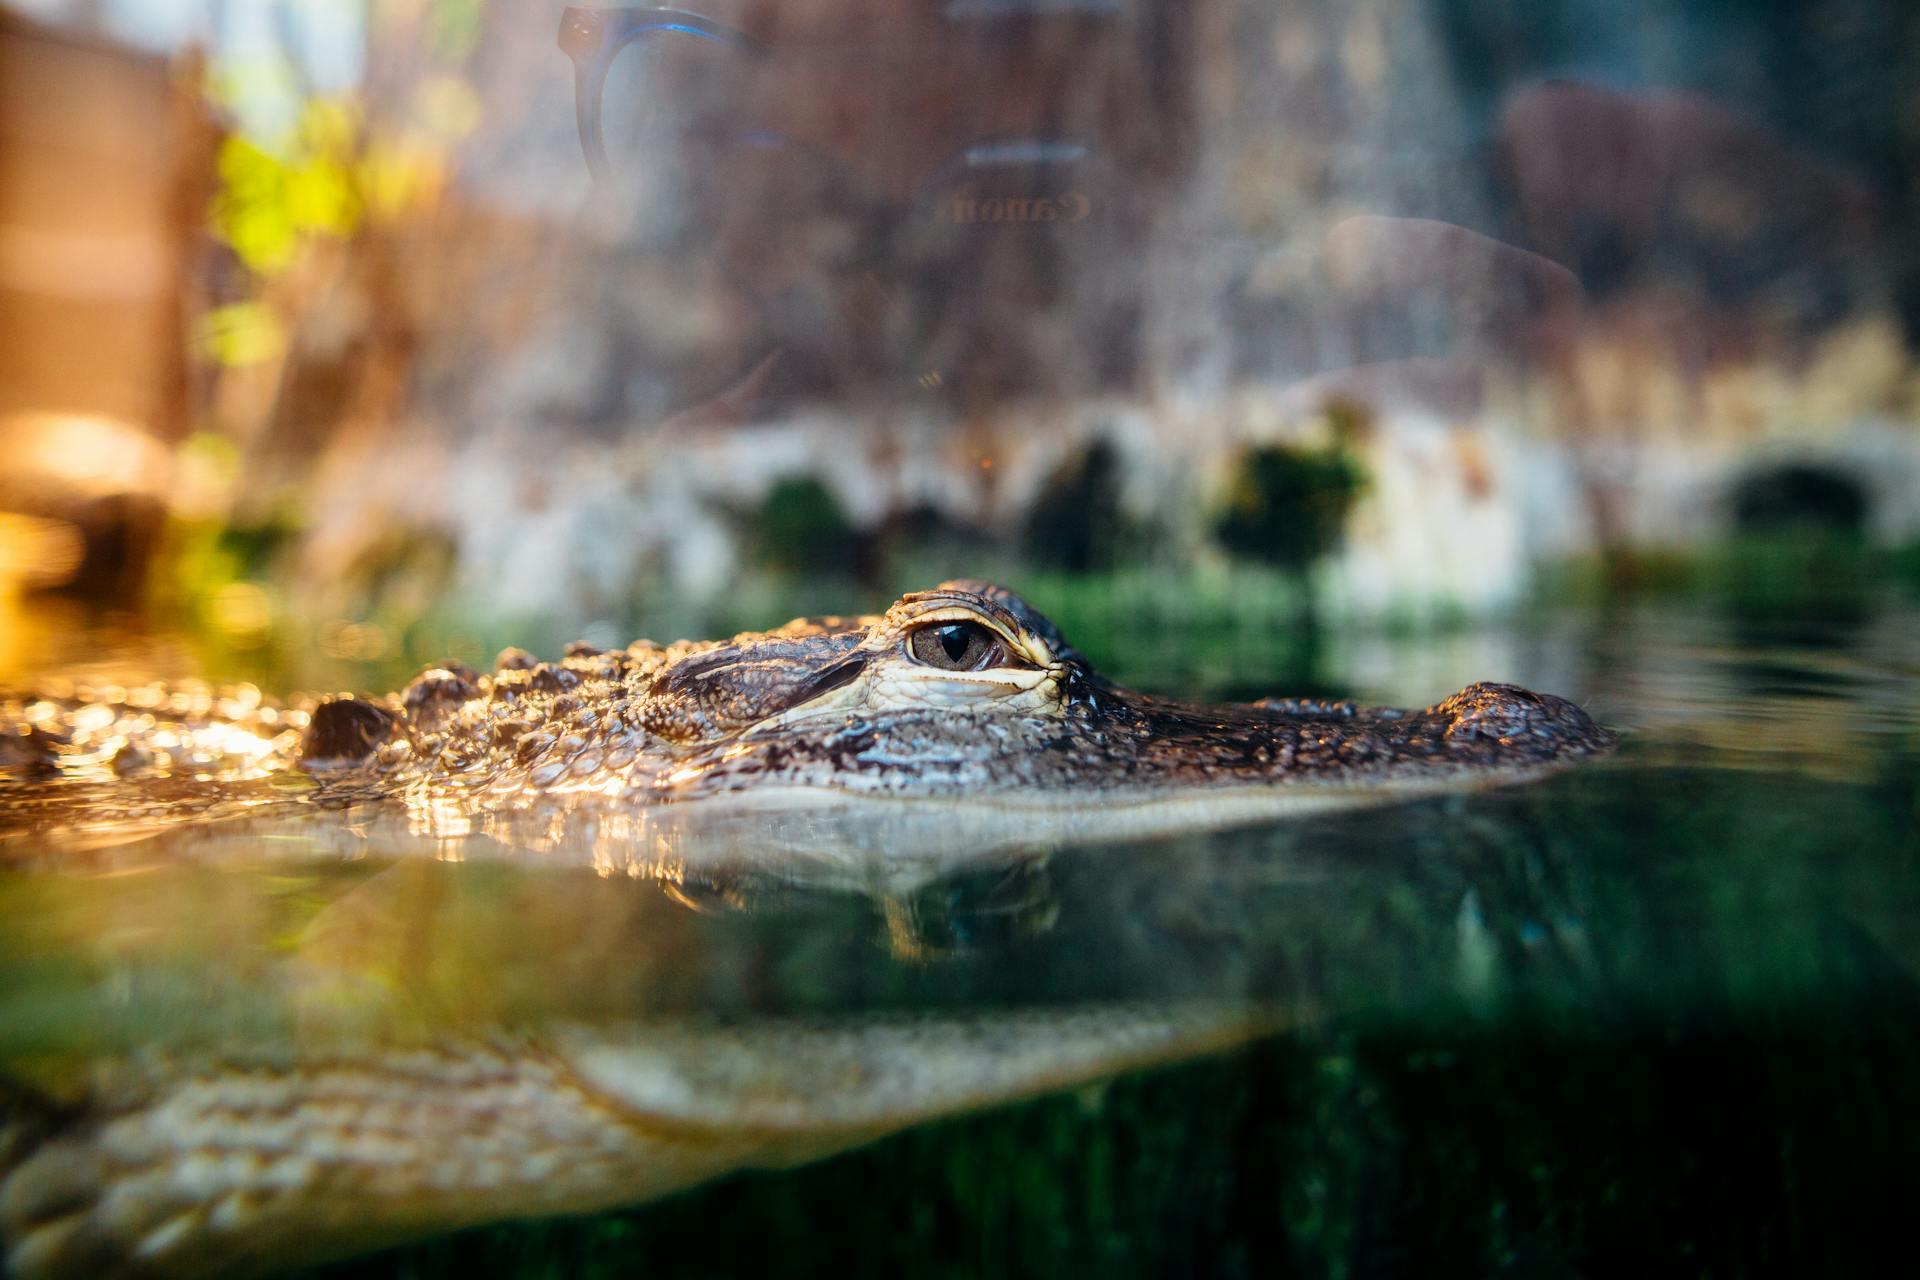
<point x="85" y="454"/>
<point x="36" y="552"/>
<point x="243" y="614"/>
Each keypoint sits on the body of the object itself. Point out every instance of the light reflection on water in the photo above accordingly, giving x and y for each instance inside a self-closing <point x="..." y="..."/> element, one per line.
<point x="1747" y="858"/>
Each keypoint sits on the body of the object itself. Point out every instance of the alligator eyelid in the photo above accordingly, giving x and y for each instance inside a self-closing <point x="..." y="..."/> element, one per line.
<point x="953" y="613"/>
<point x="933" y="608"/>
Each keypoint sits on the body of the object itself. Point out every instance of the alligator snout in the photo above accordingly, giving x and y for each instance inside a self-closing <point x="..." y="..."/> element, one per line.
<point x="1518" y="724"/>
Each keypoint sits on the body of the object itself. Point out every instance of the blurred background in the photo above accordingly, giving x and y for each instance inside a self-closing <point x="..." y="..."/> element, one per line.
<point x="325" y="354"/>
<point x="1361" y="348"/>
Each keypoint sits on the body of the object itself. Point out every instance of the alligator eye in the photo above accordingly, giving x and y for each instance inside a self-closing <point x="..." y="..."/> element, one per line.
<point x="957" y="646"/>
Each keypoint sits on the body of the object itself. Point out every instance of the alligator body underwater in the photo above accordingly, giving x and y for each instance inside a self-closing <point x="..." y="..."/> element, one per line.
<point x="962" y="710"/>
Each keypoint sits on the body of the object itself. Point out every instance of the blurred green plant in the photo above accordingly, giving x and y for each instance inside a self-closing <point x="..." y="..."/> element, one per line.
<point x="1793" y="572"/>
<point x="801" y="528"/>
<point x="457" y="26"/>
<point x="341" y="168"/>
<point x="300" y="207"/>
<point x="269" y="199"/>
<point x="1077" y="522"/>
<point x="240" y="334"/>
<point x="1287" y="505"/>
<point x="1800" y="497"/>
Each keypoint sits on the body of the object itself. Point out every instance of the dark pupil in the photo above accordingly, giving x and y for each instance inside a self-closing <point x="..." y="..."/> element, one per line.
<point x="954" y="639"/>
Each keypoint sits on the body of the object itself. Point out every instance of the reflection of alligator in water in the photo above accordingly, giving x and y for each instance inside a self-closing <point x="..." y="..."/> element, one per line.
<point x="234" y="1164"/>
<point x="956" y="695"/>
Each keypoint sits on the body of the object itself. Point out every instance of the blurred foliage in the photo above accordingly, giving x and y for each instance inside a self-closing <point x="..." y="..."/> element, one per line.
<point x="457" y="26"/>
<point x="335" y="173"/>
<point x="1795" y="571"/>
<point x="221" y="585"/>
<point x="1077" y="521"/>
<point x="338" y="170"/>
<point x="351" y="164"/>
<point x="1218" y="627"/>
<point x="1228" y="627"/>
<point x="801" y="528"/>
<point x="269" y="200"/>
<point x="1800" y="496"/>
<point x="1287" y="505"/>
<point x="241" y="334"/>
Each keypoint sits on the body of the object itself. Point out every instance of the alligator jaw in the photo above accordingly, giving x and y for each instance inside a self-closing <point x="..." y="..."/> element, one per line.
<point x="1113" y="762"/>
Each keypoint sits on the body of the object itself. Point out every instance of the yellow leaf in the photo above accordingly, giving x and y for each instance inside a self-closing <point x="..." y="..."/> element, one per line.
<point x="242" y="333"/>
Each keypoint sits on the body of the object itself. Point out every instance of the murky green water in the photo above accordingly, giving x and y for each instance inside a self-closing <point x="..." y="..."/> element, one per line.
<point x="1664" y="1010"/>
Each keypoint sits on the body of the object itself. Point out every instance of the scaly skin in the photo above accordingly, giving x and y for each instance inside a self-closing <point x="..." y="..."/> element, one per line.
<point x="819" y="713"/>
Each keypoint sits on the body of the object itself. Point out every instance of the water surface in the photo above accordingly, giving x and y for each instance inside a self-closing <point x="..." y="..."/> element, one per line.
<point x="1662" y="1008"/>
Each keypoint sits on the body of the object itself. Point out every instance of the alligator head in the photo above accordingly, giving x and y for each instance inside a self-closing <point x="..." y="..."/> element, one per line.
<point x="966" y="691"/>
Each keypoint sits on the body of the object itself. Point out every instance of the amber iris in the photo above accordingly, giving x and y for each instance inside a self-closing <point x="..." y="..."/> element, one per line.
<point x="957" y="646"/>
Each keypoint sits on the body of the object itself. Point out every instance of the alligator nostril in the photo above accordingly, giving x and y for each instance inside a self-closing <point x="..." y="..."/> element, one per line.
<point x="1490" y="711"/>
<point x="1508" y="716"/>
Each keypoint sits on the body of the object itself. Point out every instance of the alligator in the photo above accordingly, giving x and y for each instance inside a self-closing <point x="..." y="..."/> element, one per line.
<point x="960" y="719"/>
